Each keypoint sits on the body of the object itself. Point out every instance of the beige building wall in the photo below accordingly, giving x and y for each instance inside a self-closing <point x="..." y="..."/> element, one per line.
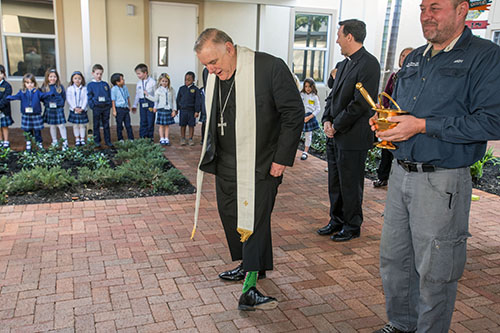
<point x="73" y="40"/>
<point x="237" y="19"/>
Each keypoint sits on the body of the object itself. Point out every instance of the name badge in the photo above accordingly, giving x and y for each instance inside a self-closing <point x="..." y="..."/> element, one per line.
<point x="28" y="110"/>
<point x="192" y="91"/>
<point x="52" y="105"/>
<point x="101" y="99"/>
<point x="311" y="102"/>
<point x="145" y="105"/>
<point x="2" y="89"/>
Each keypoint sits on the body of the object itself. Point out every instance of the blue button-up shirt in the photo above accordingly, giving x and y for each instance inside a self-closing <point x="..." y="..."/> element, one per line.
<point x="457" y="92"/>
<point x="120" y="96"/>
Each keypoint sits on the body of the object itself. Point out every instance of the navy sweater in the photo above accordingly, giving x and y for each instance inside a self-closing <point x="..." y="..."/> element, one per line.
<point x="99" y="90"/>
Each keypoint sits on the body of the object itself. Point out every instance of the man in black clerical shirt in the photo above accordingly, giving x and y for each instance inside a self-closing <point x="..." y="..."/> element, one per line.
<point x="345" y="122"/>
<point x="254" y="121"/>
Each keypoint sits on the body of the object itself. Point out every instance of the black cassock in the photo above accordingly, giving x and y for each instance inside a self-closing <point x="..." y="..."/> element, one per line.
<point x="279" y="122"/>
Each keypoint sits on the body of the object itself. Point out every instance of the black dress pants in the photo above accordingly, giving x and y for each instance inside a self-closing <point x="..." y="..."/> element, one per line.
<point x="346" y="170"/>
<point x="384" y="168"/>
<point x="257" y="251"/>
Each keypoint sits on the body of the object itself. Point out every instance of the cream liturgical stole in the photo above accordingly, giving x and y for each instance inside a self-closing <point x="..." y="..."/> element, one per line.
<point x="245" y="130"/>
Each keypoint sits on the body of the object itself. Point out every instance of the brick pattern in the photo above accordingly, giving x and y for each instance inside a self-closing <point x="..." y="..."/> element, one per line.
<point x="129" y="265"/>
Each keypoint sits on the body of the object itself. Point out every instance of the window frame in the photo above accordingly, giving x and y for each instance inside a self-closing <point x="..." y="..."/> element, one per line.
<point x="4" y="36"/>
<point x="329" y="38"/>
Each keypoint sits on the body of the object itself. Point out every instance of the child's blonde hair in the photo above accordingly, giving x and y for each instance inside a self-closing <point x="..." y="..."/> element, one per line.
<point x="30" y="77"/>
<point x="161" y="77"/>
<point x="45" y="85"/>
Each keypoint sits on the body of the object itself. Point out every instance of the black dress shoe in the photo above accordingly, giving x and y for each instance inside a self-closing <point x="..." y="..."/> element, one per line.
<point x="253" y="299"/>
<point x="344" y="236"/>
<point x="238" y="274"/>
<point x="379" y="183"/>
<point x="329" y="229"/>
<point x="388" y="328"/>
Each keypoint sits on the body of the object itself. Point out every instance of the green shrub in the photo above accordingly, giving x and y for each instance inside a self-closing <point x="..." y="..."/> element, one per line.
<point x="39" y="178"/>
<point x="104" y="176"/>
<point x="476" y="170"/>
<point x="374" y="156"/>
<point x="4" y="188"/>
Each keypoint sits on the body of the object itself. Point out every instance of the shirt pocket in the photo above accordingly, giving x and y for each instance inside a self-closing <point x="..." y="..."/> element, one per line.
<point x="451" y="81"/>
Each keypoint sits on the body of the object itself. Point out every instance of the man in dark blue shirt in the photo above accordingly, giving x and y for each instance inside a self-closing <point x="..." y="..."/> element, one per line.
<point x="449" y="87"/>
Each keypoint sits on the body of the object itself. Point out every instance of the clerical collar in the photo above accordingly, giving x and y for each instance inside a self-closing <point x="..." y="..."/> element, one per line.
<point x="356" y="55"/>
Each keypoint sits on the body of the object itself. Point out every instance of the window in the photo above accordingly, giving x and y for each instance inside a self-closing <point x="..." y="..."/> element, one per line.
<point x="496" y="37"/>
<point x="28" y="33"/>
<point x="310" y="47"/>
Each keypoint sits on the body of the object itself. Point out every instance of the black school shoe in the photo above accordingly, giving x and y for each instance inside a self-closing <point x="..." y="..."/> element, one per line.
<point x="253" y="300"/>
<point x="238" y="274"/>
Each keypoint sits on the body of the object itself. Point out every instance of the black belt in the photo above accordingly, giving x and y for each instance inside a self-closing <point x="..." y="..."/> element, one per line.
<point x="416" y="167"/>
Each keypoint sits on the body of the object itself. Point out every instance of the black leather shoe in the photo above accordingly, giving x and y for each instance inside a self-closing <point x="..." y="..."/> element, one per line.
<point x="253" y="299"/>
<point x="388" y="328"/>
<point x="238" y="274"/>
<point x="329" y="229"/>
<point x="379" y="183"/>
<point x="344" y="236"/>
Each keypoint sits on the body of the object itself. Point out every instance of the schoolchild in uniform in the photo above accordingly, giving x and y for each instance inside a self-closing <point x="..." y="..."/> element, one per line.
<point x="189" y="105"/>
<point x="31" y="109"/>
<point x="54" y="106"/>
<point x="99" y="99"/>
<point x="145" y="86"/>
<point x="76" y="95"/>
<point x="5" y="115"/>
<point x="165" y="107"/>
<point x="120" y="99"/>
<point x="309" y="95"/>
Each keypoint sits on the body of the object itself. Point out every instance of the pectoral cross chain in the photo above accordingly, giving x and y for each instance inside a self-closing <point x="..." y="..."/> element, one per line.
<point x="222" y="124"/>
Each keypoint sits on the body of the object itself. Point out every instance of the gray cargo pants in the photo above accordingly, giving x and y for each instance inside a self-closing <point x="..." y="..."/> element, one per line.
<point x="423" y="246"/>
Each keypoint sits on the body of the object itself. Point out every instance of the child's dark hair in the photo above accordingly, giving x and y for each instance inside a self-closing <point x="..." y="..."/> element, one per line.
<point x="2" y="70"/>
<point x="312" y="84"/>
<point x="192" y="74"/>
<point x="97" y="67"/>
<point x="31" y="77"/>
<point x="115" y="78"/>
<point x="141" y="67"/>
<point x="73" y="75"/>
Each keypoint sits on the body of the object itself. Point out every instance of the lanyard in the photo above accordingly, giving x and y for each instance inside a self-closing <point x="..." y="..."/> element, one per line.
<point x="144" y="87"/>
<point x="77" y="100"/>
<point x="123" y="94"/>
<point x="29" y="97"/>
<point x="167" y="103"/>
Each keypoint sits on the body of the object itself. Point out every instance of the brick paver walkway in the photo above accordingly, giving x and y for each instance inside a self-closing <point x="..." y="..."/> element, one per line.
<point x="129" y="265"/>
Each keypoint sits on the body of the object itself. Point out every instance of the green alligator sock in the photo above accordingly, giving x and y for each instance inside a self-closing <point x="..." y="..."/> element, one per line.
<point x="250" y="281"/>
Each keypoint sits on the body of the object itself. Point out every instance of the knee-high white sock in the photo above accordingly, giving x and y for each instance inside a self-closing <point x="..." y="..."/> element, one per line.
<point x="83" y="131"/>
<point x="53" y="133"/>
<point x="62" y="130"/>
<point x="308" y="136"/>
<point x="76" y="131"/>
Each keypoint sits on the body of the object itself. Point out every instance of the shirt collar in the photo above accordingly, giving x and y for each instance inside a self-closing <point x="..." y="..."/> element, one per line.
<point x="356" y="55"/>
<point x="448" y="48"/>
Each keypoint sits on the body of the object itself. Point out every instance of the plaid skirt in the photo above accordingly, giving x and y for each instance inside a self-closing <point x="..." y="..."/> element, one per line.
<point x="311" y="125"/>
<point x="31" y="122"/>
<point x="78" y="118"/>
<point x="6" y="121"/>
<point x="54" y="116"/>
<point x="164" y="117"/>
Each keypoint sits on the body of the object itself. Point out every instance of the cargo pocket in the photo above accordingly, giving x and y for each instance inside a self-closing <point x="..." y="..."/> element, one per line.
<point x="448" y="257"/>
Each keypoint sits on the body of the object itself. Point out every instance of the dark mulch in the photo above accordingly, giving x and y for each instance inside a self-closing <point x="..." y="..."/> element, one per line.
<point x="89" y="192"/>
<point x="490" y="182"/>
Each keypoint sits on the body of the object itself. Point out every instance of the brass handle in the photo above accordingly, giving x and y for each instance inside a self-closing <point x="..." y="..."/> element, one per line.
<point x="365" y="94"/>
<point x="386" y="95"/>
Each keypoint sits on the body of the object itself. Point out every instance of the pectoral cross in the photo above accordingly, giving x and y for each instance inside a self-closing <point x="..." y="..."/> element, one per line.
<point x="222" y="124"/>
